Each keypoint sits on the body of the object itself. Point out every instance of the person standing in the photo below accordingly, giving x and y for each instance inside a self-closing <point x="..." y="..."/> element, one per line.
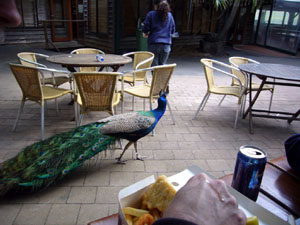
<point x="158" y="27"/>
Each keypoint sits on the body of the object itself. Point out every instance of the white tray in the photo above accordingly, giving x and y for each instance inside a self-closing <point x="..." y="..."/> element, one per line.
<point x="130" y="196"/>
<point x="249" y="207"/>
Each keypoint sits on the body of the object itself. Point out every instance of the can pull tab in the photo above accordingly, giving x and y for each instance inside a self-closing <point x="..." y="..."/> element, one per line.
<point x="256" y="153"/>
<point x="252" y="152"/>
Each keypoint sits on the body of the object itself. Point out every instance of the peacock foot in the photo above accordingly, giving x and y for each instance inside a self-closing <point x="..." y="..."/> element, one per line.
<point x="119" y="161"/>
<point x="140" y="157"/>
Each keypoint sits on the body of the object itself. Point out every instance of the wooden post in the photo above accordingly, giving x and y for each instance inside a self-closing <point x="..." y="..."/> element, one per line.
<point x="46" y="34"/>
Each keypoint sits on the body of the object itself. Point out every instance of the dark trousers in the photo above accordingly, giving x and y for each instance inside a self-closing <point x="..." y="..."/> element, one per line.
<point x="161" y="53"/>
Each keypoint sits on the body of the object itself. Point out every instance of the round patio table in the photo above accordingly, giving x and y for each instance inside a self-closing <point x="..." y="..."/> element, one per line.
<point x="70" y="61"/>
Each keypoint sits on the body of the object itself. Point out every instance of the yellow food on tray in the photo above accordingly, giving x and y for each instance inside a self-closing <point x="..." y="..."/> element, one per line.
<point x="159" y="195"/>
<point x="252" y="220"/>
<point x="145" y="219"/>
<point x="153" y="203"/>
<point x="134" y="212"/>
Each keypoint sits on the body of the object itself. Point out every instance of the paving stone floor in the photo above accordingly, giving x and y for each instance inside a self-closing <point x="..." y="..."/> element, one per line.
<point x="209" y="141"/>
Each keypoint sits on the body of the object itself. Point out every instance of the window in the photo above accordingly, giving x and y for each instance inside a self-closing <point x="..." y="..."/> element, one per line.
<point x="280" y="17"/>
<point x="296" y="19"/>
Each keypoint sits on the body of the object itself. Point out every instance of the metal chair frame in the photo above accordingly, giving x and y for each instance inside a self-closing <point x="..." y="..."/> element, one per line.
<point x="246" y="84"/>
<point x="208" y="63"/>
<point x="40" y="94"/>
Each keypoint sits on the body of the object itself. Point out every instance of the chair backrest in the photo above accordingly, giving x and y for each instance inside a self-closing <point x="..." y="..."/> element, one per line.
<point x="87" y="51"/>
<point x="96" y="90"/>
<point x="235" y="62"/>
<point x="24" y="57"/>
<point x="30" y="59"/>
<point x="141" y="60"/>
<point x="160" y="80"/>
<point x="209" y="72"/>
<point x="29" y="81"/>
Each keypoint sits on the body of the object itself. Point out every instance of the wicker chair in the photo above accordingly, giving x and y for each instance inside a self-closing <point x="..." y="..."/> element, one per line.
<point x="237" y="91"/>
<point x="95" y="92"/>
<point x="236" y="61"/>
<point x="29" y="81"/>
<point x="87" y="51"/>
<point x="141" y="60"/>
<point x="160" y="80"/>
<point x="30" y="59"/>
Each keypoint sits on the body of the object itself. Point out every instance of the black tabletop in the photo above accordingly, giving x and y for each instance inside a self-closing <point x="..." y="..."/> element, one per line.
<point x="278" y="71"/>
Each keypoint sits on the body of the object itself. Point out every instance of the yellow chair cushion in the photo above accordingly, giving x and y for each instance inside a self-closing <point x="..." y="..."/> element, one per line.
<point x="59" y="80"/>
<point x="227" y="90"/>
<point x="142" y="91"/>
<point x="51" y="93"/>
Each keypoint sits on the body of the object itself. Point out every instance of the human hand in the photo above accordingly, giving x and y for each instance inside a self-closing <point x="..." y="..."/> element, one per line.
<point x="205" y="201"/>
<point x="145" y="35"/>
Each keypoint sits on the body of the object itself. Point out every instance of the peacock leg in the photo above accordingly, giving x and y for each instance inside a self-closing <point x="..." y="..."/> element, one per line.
<point x="138" y="157"/>
<point x="119" y="158"/>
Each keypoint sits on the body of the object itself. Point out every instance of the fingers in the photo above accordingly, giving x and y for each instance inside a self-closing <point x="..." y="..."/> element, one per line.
<point x="9" y="15"/>
<point x="241" y="218"/>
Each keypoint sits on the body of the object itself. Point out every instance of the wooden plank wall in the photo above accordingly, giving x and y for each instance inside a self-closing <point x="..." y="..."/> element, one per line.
<point x="20" y="35"/>
<point x="103" y="40"/>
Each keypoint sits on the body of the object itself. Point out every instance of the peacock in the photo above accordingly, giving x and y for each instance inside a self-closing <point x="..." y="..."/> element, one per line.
<point x="44" y="163"/>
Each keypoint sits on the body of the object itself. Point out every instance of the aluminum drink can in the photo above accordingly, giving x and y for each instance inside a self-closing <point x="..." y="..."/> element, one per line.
<point x="248" y="172"/>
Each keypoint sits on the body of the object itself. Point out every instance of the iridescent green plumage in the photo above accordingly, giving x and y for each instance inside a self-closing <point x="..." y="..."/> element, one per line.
<point x="43" y="163"/>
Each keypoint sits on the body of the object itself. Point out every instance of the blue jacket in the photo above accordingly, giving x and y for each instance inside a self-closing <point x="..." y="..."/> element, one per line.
<point x="159" y="31"/>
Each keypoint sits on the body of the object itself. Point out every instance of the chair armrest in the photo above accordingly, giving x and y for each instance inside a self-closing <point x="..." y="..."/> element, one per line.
<point x="249" y="60"/>
<point x="33" y="63"/>
<point x="128" y="54"/>
<point x="41" y="55"/>
<point x="224" y="72"/>
<point x="54" y="70"/>
<point x="253" y="61"/>
<point x="145" y="69"/>
<point x="143" y="62"/>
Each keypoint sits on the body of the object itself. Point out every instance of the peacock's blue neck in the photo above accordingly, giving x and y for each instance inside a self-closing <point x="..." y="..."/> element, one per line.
<point x="161" y="108"/>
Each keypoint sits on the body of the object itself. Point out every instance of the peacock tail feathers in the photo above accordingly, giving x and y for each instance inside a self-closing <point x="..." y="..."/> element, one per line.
<point x="43" y="163"/>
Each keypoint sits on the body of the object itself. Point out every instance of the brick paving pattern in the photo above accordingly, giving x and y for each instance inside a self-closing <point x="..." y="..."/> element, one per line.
<point x="209" y="141"/>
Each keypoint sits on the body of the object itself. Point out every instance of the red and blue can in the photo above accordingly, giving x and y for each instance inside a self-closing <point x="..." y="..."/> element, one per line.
<point x="249" y="169"/>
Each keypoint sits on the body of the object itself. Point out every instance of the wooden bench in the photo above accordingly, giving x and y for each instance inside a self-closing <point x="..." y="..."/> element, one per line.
<point x="280" y="189"/>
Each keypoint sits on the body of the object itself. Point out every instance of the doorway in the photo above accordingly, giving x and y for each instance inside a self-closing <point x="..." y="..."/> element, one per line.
<point x="61" y="20"/>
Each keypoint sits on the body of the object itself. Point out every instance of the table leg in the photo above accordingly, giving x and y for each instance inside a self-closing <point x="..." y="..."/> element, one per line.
<point x="115" y="68"/>
<point x="252" y="101"/>
<point x="71" y="69"/>
<point x="250" y="105"/>
<point x="294" y="116"/>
